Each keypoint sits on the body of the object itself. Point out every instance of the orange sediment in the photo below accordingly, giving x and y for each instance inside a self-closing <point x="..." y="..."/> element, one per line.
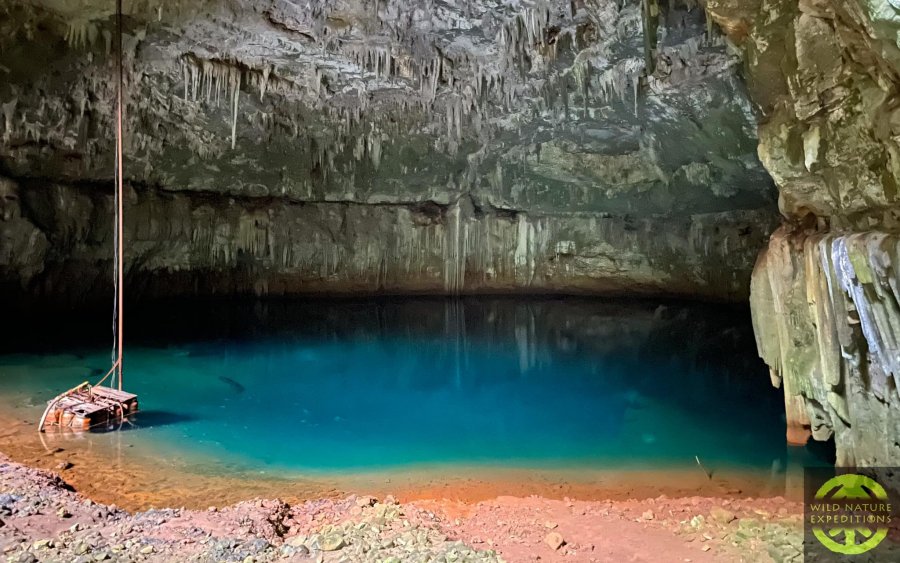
<point x="113" y="472"/>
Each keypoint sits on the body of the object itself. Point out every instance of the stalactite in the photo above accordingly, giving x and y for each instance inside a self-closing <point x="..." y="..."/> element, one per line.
<point x="650" y="17"/>
<point x="614" y="82"/>
<point x="455" y="249"/>
<point x="236" y="89"/>
<point x="81" y="34"/>
<point x="9" y="112"/>
<point x="213" y="81"/>
<point x="267" y="70"/>
<point x="825" y="310"/>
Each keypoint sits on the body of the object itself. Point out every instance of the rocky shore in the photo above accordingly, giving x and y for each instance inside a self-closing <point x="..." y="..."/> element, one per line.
<point x="43" y="519"/>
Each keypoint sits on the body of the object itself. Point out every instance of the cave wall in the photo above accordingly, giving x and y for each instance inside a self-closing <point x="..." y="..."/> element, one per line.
<point x="188" y="244"/>
<point x="363" y="146"/>
<point x="825" y="292"/>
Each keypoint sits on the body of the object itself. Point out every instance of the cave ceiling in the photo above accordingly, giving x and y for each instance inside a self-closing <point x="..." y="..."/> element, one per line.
<point x="536" y="106"/>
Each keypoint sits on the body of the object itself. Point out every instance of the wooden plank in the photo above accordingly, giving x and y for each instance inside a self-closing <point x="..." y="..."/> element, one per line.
<point x="81" y="407"/>
<point x="114" y="394"/>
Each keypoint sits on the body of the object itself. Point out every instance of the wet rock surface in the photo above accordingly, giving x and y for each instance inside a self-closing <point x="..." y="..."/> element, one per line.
<point x="504" y="529"/>
<point x="824" y="294"/>
<point x="832" y="340"/>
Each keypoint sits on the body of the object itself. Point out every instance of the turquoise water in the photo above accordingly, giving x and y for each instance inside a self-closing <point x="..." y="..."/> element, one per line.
<point x="331" y="386"/>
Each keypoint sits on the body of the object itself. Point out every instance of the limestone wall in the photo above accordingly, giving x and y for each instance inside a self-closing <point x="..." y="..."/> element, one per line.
<point x="827" y="322"/>
<point x="60" y="248"/>
<point x="824" y="74"/>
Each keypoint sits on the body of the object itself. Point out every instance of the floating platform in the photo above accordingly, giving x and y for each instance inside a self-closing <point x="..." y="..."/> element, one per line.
<point x="87" y="407"/>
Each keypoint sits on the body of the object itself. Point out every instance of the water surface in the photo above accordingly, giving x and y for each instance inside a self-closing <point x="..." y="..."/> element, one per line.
<point x="325" y="387"/>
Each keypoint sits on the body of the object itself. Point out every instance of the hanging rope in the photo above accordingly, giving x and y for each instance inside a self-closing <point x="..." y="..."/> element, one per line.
<point x="120" y="238"/>
<point x="119" y="233"/>
<point x="120" y="192"/>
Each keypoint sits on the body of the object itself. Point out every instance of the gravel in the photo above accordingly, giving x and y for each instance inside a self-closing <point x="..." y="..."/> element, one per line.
<point x="44" y="520"/>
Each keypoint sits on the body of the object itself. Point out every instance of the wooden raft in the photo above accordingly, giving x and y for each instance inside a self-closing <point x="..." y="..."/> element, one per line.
<point x="89" y="407"/>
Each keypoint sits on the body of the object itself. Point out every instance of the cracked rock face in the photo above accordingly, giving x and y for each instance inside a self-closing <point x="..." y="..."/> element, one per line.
<point x="286" y="147"/>
<point x="826" y="292"/>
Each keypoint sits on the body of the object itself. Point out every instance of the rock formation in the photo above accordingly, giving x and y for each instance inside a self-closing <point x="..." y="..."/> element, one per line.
<point x="381" y="146"/>
<point x="825" y="293"/>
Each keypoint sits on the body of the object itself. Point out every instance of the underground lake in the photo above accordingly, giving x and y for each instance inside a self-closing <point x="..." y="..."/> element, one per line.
<point x="359" y="392"/>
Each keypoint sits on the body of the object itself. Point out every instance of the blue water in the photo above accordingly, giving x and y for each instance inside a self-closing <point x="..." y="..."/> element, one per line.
<point x="331" y="386"/>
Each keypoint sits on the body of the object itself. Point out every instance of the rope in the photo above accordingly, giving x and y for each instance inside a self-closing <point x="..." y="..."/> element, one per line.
<point x="110" y="372"/>
<point x="118" y="233"/>
<point x="119" y="239"/>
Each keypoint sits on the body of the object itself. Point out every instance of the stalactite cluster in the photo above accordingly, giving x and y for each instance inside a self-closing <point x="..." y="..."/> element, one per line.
<point x="524" y="124"/>
<point x="827" y="319"/>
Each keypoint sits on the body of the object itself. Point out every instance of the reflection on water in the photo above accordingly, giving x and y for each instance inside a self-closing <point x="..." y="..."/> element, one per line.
<point x="330" y="386"/>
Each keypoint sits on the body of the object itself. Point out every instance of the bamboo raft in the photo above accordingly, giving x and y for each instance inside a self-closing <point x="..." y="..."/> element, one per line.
<point x="88" y="407"/>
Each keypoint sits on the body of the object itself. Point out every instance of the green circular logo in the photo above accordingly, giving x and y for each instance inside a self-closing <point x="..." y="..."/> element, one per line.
<point x="854" y="514"/>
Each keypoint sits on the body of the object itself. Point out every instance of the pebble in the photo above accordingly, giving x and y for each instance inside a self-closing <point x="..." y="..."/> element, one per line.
<point x="41" y="544"/>
<point x="554" y="540"/>
<point x="287" y="550"/>
<point x="721" y="515"/>
<point x="648" y="515"/>
<point x="331" y="542"/>
<point x="297" y="541"/>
